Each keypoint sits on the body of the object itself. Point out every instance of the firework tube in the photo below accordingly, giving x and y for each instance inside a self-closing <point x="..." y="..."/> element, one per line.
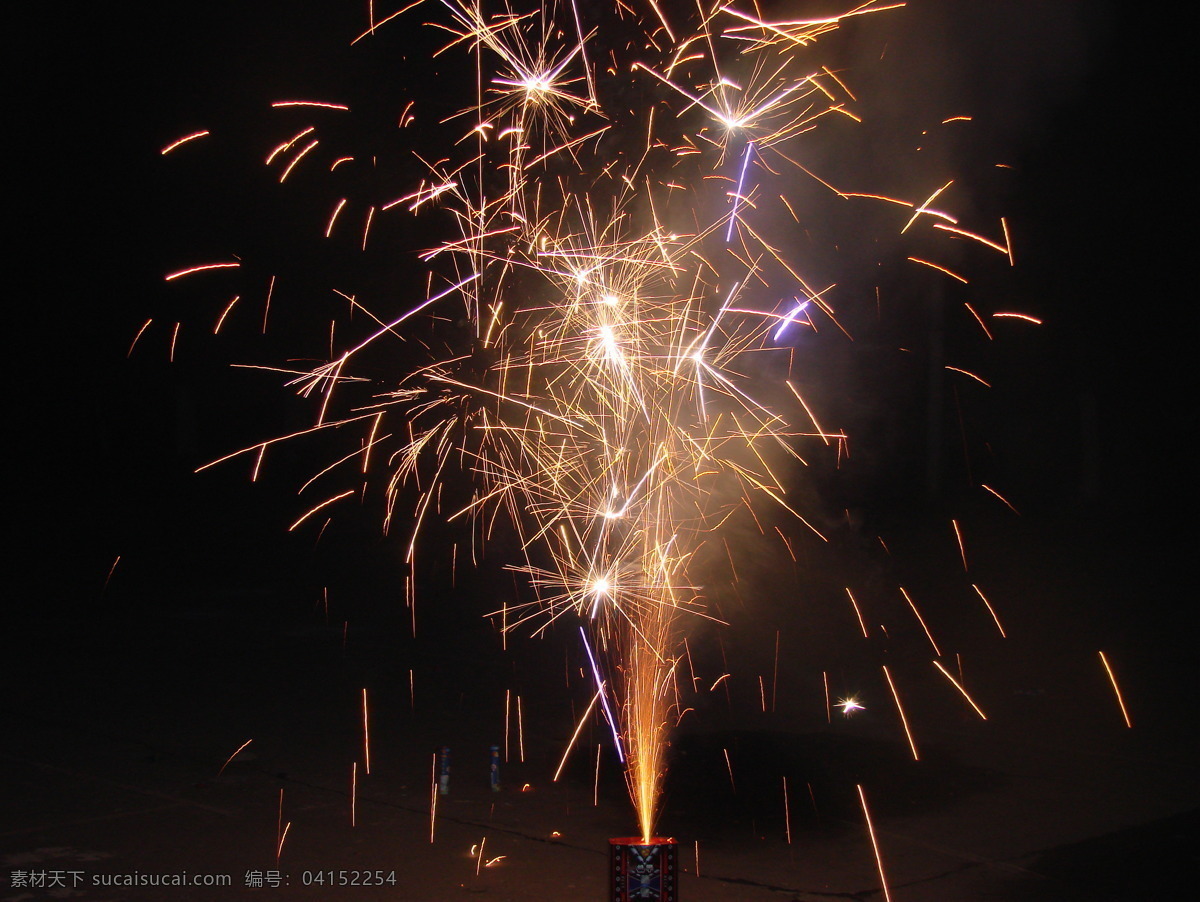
<point x="643" y="870"/>
<point x="494" y="768"/>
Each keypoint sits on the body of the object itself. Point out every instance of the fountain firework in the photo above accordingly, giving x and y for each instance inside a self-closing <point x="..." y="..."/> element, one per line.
<point x="609" y="316"/>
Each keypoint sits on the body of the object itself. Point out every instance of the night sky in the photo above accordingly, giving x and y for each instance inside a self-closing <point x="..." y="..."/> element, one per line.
<point x="1088" y="426"/>
<point x="1090" y="414"/>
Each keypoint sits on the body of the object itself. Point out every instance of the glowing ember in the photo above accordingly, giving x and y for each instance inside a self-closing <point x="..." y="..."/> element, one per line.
<point x="849" y="706"/>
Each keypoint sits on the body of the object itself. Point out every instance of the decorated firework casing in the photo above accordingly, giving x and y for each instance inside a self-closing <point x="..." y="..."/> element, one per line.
<point x="444" y="771"/>
<point x="643" y="870"/>
<point x="494" y="767"/>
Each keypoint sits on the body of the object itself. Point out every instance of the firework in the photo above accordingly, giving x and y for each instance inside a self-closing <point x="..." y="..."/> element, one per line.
<point x="605" y="314"/>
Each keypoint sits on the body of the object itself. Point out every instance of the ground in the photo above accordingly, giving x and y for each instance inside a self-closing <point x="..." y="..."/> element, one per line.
<point x="118" y="728"/>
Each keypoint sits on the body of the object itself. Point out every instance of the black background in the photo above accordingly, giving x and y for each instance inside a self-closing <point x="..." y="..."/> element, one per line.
<point x="1091" y="415"/>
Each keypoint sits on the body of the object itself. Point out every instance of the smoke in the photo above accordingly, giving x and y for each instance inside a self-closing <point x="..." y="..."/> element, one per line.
<point x="1010" y="66"/>
<point x="945" y="92"/>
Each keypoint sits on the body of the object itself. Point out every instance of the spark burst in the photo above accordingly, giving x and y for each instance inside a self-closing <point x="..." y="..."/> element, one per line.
<point x="609" y="189"/>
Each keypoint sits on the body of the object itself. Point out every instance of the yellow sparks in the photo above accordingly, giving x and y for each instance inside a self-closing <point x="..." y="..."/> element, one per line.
<point x="604" y="285"/>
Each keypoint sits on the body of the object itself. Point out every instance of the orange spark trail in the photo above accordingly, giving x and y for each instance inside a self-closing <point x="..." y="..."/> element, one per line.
<point x="874" y="844"/>
<point x="111" y="571"/>
<point x="310" y="103"/>
<point x="857" y="613"/>
<point x="321" y="506"/>
<point x="1001" y="497"/>
<point x="133" y="344"/>
<point x="575" y="735"/>
<point x="333" y="217"/>
<point x="979" y="319"/>
<point x="280" y="148"/>
<point x="234" y="755"/>
<point x="184" y="140"/>
<point x="787" y="815"/>
<point x="1116" y="690"/>
<point x="962" y="550"/>
<point x="281" y="830"/>
<point x="957" y="685"/>
<point x="965" y="234"/>
<point x="968" y="373"/>
<point x="203" y="267"/>
<point x="921" y="620"/>
<point x="991" y="610"/>
<point x="433" y="794"/>
<point x="942" y="269"/>
<point x="366" y="733"/>
<point x="520" y="733"/>
<point x="900" y="708"/>
<point x="225" y="313"/>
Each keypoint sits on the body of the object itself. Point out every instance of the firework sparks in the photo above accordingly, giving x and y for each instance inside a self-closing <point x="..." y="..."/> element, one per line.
<point x="179" y="142"/>
<point x="849" y="706"/>
<point x="862" y="797"/>
<point x="991" y="610"/>
<point x="281" y="830"/>
<point x="366" y="733"/>
<point x="616" y="277"/>
<point x="1112" y="678"/>
<point x="237" y="752"/>
<point x="433" y="797"/>
<point x="900" y="710"/>
<point x="957" y="685"/>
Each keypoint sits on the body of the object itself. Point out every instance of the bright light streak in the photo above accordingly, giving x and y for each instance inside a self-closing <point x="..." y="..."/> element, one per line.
<point x="942" y="269"/>
<point x="278" y="104"/>
<point x="962" y="548"/>
<point x="900" y="710"/>
<point x="184" y="140"/>
<point x="874" y="844"/>
<point x="739" y="193"/>
<point x="578" y="727"/>
<point x="237" y="752"/>
<point x="857" y="613"/>
<point x="203" y="267"/>
<point x="1116" y="690"/>
<point x="800" y="307"/>
<point x="608" y="715"/>
<point x="957" y="685"/>
<point x="1007" y="504"/>
<point x="921" y="620"/>
<point x="991" y="610"/>
<point x="366" y="733"/>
